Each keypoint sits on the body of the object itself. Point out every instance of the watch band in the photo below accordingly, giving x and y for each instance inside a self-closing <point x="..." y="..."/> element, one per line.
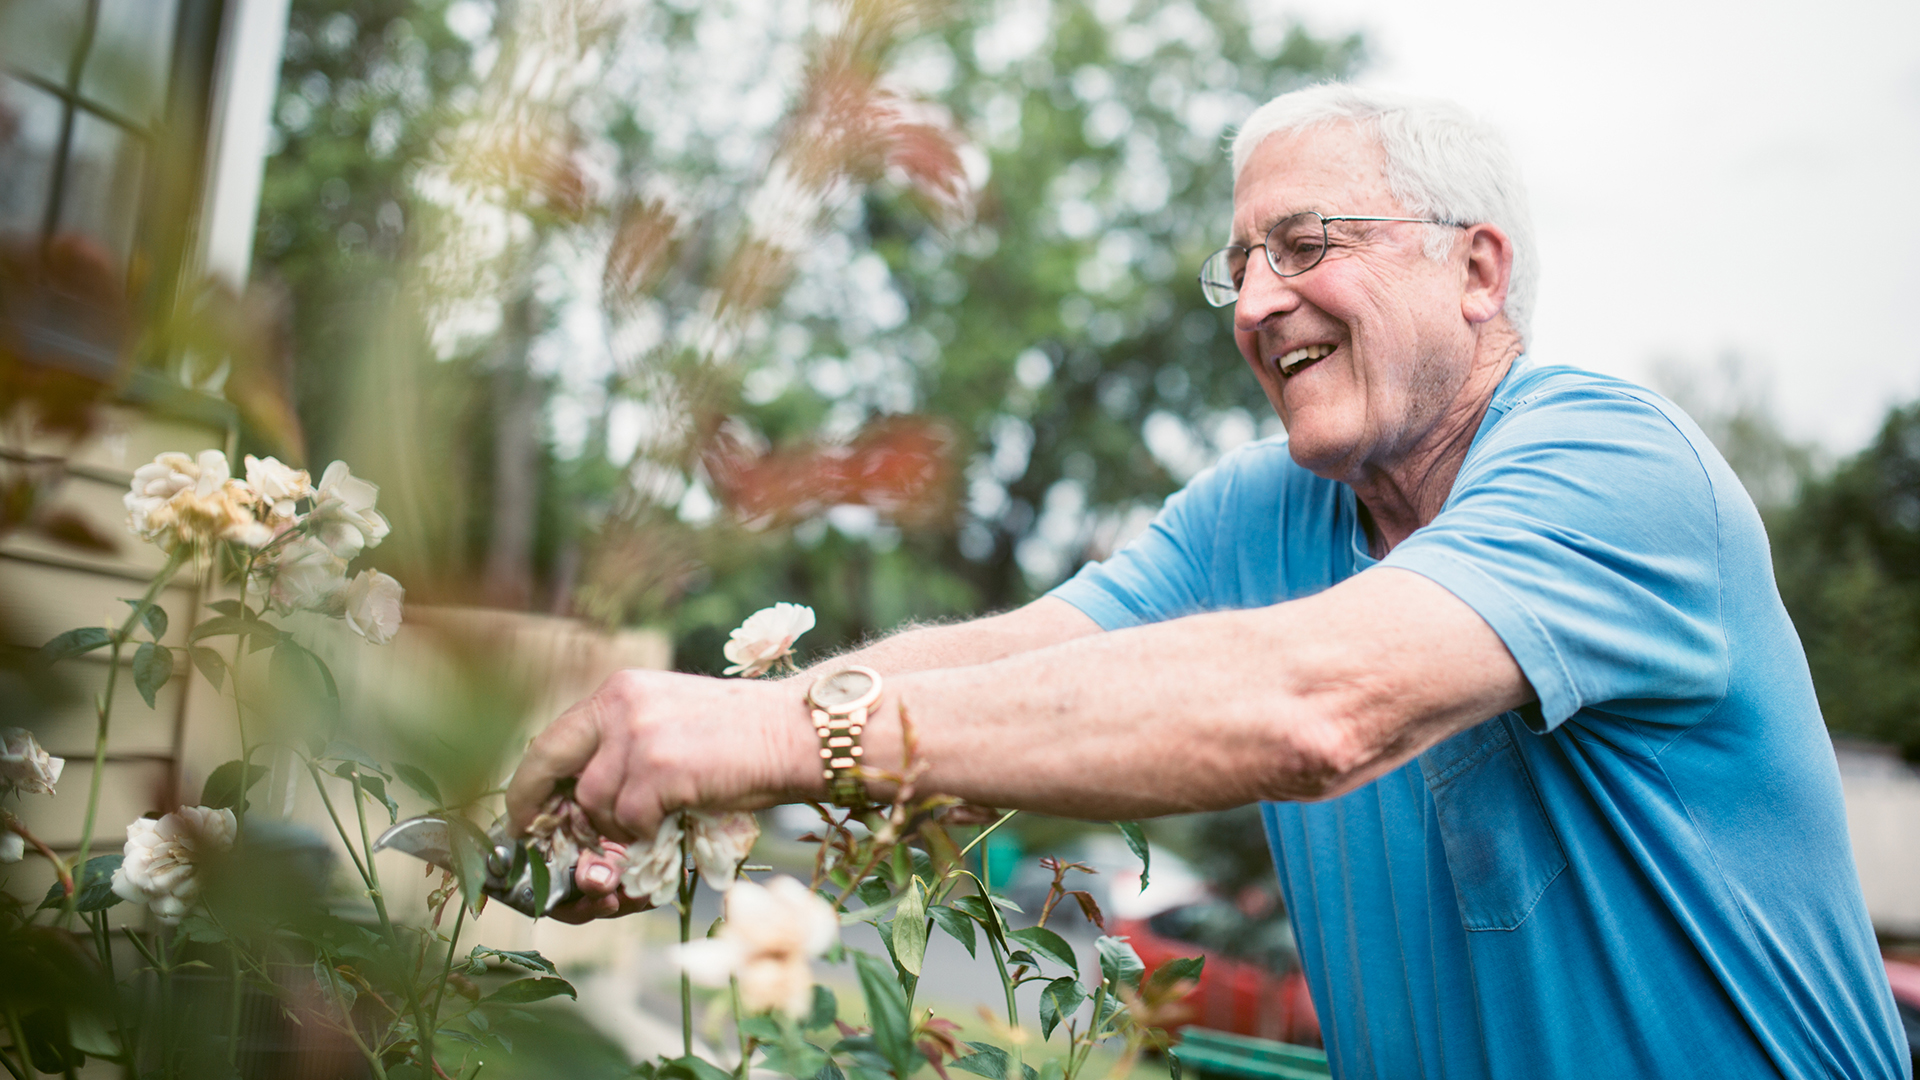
<point x="839" y="703"/>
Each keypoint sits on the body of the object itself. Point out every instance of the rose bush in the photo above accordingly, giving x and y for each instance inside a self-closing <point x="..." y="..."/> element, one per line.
<point x="401" y="991"/>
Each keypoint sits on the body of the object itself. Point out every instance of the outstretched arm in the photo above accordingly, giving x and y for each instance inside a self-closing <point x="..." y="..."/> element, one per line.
<point x="1300" y="700"/>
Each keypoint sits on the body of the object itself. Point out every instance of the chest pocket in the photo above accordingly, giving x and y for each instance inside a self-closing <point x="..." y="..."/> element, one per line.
<point x="1500" y="848"/>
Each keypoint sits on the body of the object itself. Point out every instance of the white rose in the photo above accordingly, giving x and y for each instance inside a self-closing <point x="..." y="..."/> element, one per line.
<point x="771" y="932"/>
<point x="720" y="844"/>
<point x="178" y="500"/>
<point x="24" y="766"/>
<point x="302" y="575"/>
<point x="652" y="871"/>
<point x="766" y="638"/>
<point x="343" y="515"/>
<point x="279" y="486"/>
<point x="373" y="606"/>
<point x="159" y="870"/>
<point x="13" y="846"/>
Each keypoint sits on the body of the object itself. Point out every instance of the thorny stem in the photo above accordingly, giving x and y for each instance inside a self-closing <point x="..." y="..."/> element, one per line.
<point x="352" y="1030"/>
<point x="424" y="1032"/>
<point x="103" y="711"/>
<point x="1014" y="1070"/>
<point x="327" y="801"/>
<point x="446" y="972"/>
<point x="60" y="868"/>
<point x="686" y="934"/>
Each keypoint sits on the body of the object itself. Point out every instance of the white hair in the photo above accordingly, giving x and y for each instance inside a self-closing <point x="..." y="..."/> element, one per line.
<point x="1442" y="163"/>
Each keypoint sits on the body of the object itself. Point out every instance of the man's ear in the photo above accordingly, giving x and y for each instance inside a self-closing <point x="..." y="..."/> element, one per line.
<point x="1489" y="270"/>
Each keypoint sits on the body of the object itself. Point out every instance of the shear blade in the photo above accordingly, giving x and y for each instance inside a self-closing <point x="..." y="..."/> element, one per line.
<point x="426" y="838"/>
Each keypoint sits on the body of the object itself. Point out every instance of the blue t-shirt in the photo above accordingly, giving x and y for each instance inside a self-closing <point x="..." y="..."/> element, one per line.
<point x="1647" y="874"/>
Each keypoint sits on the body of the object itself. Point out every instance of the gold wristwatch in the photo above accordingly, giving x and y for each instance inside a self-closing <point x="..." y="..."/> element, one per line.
<point x="840" y="702"/>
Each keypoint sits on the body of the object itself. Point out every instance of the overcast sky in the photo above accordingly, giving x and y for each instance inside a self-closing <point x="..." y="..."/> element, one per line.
<point x="1705" y="177"/>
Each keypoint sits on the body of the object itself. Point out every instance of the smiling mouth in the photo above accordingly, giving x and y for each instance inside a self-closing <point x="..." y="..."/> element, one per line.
<point x="1292" y="363"/>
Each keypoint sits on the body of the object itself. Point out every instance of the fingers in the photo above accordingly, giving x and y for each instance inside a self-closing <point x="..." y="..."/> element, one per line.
<point x="557" y="753"/>
<point x="598" y="876"/>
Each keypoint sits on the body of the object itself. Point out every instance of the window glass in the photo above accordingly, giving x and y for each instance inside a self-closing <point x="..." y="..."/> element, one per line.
<point x="29" y="135"/>
<point x="38" y="36"/>
<point x="102" y="196"/>
<point x="127" y="69"/>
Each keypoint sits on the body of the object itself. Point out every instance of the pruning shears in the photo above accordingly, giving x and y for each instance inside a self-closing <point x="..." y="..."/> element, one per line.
<point x="507" y="862"/>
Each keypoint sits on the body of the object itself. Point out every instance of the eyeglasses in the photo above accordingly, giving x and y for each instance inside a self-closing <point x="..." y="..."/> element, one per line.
<point x="1294" y="246"/>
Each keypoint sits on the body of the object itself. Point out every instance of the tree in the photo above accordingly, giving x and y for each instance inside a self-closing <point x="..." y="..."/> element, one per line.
<point x="1847" y="556"/>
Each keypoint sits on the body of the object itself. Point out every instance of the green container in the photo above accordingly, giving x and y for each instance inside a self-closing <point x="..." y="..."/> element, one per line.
<point x="1207" y="1053"/>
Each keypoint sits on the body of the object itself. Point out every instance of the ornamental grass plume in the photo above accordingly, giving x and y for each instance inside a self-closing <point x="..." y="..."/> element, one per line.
<point x="770" y="934"/>
<point x="766" y="638"/>
<point x="26" y="768"/>
<point x="161" y="869"/>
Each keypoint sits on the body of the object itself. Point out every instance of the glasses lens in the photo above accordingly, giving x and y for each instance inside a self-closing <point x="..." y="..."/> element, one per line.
<point x="1221" y="274"/>
<point x="1297" y="244"/>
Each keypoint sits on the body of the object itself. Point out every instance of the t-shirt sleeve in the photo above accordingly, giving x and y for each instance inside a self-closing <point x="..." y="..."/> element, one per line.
<point x="1585" y="531"/>
<point x="1166" y="571"/>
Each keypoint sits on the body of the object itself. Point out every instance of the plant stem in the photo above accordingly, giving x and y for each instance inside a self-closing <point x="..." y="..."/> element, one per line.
<point x="103" y="711"/>
<point x="423" y="1032"/>
<point x="453" y="946"/>
<point x="19" y="1045"/>
<point x="687" y="879"/>
<point x="327" y="801"/>
<point x="1013" y="1010"/>
<point x="234" y="1000"/>
<point x="986" y="832"/>
<point x="746" y="1041"/>
<point x="353" y="1030"/>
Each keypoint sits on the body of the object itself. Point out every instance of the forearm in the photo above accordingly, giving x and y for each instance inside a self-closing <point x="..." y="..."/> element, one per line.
<point x="1303" y="700"/>
<point x="959" y="645"/>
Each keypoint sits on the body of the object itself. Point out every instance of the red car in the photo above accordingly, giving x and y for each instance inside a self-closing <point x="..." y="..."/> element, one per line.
<point x="1251" y="985"/>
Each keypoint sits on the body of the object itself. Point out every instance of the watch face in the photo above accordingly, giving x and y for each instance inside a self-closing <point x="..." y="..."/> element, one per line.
<point x="842" y="688"/>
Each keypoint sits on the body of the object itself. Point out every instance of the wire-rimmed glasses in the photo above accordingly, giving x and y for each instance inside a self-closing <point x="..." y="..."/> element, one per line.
<point x="1294" y="246"/>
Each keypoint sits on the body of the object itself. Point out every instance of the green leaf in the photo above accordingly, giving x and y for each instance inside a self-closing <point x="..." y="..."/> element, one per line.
<point x="826" y="1009"/>
<point x="528" y="959"/>
<point x="92" y="886"/>
<point x="372" y="785"/>
<point x="527" y="991"/>
<point x="198" y="928"/>
<point x="73" y="643"/>
<point x="232" y="608"/>
<point x="1119" y="964"/>
<point x="1057" y="1002"/>
<point x="542" y="879"/>
<point x="154" y="618"/>
<point x="470" y="847"/>
<point x="302" y="679"/>
<point x="210" y="663"/>
<point x="1185" y="967"/>
<point x="887" y="1009"/>
<point x="419" y="781"/>
<point x="989" y="1061"/>
<point x="152" y="667"/>
<point x="343" y="751"/>
<point x="1048" y="944"/>
<point x="955" y="924"/>
<point x="225" y="625"/>
<point x="1137" y="840"/>
<point x="224" y="787"/>
<point x="690" y="1068"/>
<point x="983" y="913"/>
<point x="910" y="927"/>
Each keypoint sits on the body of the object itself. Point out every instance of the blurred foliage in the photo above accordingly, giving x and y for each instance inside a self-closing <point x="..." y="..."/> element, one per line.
<point x="1847" y="556"/>
<point x="1041" y="347"/>
<point x="1846" y="544"/>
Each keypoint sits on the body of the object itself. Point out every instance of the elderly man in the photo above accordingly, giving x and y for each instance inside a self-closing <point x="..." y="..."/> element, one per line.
<point x="1496" y="644"/>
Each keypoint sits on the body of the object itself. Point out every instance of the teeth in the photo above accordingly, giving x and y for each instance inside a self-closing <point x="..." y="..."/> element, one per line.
<point x="1300" y="356"/>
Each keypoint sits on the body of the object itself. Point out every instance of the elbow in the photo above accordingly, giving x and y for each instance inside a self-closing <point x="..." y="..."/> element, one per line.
<point x="1321" y="757"/>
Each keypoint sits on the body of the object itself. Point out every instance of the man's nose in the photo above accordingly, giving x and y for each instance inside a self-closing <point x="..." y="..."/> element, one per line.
<point x="1263" y="294"/>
